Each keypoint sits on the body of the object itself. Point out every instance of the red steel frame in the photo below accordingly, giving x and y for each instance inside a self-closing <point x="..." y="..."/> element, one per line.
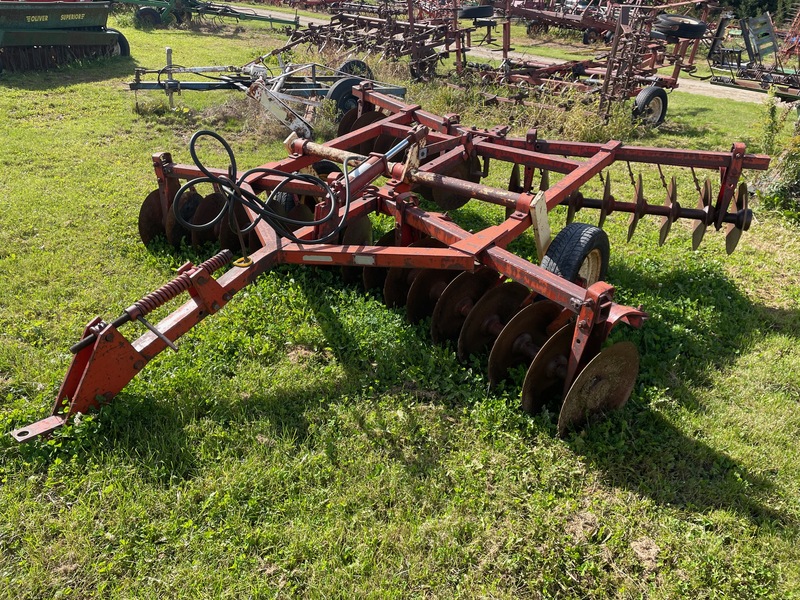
<point x="105" y="361"/>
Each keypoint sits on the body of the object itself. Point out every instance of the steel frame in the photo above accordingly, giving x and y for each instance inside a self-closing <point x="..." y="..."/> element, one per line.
<point x="105" y="361"/>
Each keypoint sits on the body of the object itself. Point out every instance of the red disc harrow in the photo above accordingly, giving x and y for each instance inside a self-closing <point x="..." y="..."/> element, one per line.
<point x="313" y="208"/>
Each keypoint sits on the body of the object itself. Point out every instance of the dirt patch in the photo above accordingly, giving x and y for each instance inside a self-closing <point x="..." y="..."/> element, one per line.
<point x="646" y="551"/>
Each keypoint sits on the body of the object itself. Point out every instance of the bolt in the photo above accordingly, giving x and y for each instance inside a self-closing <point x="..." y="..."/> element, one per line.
<point x="215" y="305"/>
<point x="583" y="324"/>
<point x="109" y="337"/>
<point x="138" y="364"/>
<point x="227" y="296"/>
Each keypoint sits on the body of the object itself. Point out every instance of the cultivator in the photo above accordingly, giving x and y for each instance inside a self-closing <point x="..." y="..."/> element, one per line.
<point x="313" y="208"/>
<point x="426" y="42"/>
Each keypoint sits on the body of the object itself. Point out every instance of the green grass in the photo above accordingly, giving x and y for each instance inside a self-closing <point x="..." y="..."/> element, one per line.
<point x="307" y="442"/>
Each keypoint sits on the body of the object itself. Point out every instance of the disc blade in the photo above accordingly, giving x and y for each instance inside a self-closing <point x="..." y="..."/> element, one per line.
<point x="346" y="123"/>
<point x="605" y="384"/>
<point x="488" y="317"/>
<point x="457" y="300"/>
<point x="399" y="279"/>
<point x="374" y="277"/>
<point x="544" y="381"/>
<point x="208" y="209"/>
<point x="358" y="233"/>
<point x="447" y="200"/>
<point x="186" y="206"/>
<point x="521" y="339"/>
<point x="368" y="118"/>
<point x="425" y="290"/>
<point x="151" y="218"/>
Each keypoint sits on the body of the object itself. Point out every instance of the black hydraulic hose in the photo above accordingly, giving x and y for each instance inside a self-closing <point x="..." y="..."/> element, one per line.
<point x="231" y="188"/>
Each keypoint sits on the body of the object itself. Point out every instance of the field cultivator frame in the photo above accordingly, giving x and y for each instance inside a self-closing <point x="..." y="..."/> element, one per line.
<point x="629" y="69"/>
<point x="553" y="317"/>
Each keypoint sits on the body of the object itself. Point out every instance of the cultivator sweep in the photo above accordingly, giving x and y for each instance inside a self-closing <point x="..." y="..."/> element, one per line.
<point x="313" y="208"/>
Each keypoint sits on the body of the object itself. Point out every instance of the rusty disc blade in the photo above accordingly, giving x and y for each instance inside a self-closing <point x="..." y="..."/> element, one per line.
<point x="447" y="200"/>
<point x="457" y="300"/>
<point x="544" y="381"/>
<point x="425" y="291"/>
<point x="374" y="277"/>
<point x="488" y="317"/>
<point x="208" y="209"/>
<point x="521" y="338"/>
<point x="151" y="218"/>
<point x="346" y="122"/>
<point x="187" y="205"/>
<point x="367" y="118"/>
<point x="228" y="238"/>
<point x="399" y="279"/>
<point x="358" y="233"/>
<point x="605" y="384"/>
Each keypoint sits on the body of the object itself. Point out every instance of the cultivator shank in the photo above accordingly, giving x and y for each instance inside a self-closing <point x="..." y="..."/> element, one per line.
<point x="313" y="208"/>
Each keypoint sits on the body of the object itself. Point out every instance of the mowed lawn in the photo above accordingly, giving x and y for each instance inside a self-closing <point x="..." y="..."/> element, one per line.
<point x="308" y="442"/>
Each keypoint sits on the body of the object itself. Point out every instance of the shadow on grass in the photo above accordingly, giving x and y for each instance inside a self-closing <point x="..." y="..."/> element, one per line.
<point x="701" y="325"/>
<point x="77" y="73"/>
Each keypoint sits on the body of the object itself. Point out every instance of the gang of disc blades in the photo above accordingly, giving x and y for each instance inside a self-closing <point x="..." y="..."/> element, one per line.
<point x="521" y="338"/>
<point x="544" y="381"/>
<point x="489" y="315"/>
<point x="425" y="291"/>
<point x="457" y="300"/>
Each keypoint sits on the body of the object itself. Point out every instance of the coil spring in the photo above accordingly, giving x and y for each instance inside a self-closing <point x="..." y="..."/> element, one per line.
<point x="177" y="286"/>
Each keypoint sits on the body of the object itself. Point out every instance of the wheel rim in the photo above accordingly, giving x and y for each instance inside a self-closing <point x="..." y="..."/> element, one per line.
<point x="591" y="267"/>
<point x="653" y="110"/>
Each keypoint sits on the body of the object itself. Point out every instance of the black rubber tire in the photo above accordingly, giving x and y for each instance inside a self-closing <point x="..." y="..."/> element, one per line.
<point x="650" y="106"/>
<point x="282" y="203"/>
<point x="182" y="16"/>
<point x="325" y="167"/>
<point x="573" y="245"/>
<point x="680" y="26"/>
<point x="148" y="16"/>
<point x="357" y="68"/>
<point x="123" y="47"/>
<point x="590" y="36"/>
<point x="341" y="92"/>
<point x="475" y="12"/>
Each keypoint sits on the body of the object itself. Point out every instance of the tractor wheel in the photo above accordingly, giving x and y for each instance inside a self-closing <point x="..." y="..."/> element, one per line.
<point x="148" y="17"/>
<point x="680" y="26"/>
<point x="357" y="68"/>
<point x="650" y="106"/>
<point x="579" y="253"/>
<point x="121" y="47"/>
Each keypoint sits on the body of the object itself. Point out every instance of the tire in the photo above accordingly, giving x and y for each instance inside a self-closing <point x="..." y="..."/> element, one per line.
<point x="356" y="67"/>
<point x="341" y="92"/>
<point x="680" y="26"/>
<point x="148" y="17"/>
<point x="122" y="47"/>
<point x="579" y="253"/>
<point x="650" y="106"/>
<point x="590" y="36"/>
<point x="475" y="12"/>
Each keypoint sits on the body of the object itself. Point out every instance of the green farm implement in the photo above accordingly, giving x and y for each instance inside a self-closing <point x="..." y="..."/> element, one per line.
<point x="42" y="35"/>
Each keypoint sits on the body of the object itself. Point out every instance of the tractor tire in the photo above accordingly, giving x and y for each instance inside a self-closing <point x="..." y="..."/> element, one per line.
<point x="680" y="26"/>
<point x="650" y="106"/>
<point x="122" y="47"/>
<point x="357" y="68"/>
<point x="475" y="12"/>
<point x="147" y="16"/>
<point x="579" y="253"/>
